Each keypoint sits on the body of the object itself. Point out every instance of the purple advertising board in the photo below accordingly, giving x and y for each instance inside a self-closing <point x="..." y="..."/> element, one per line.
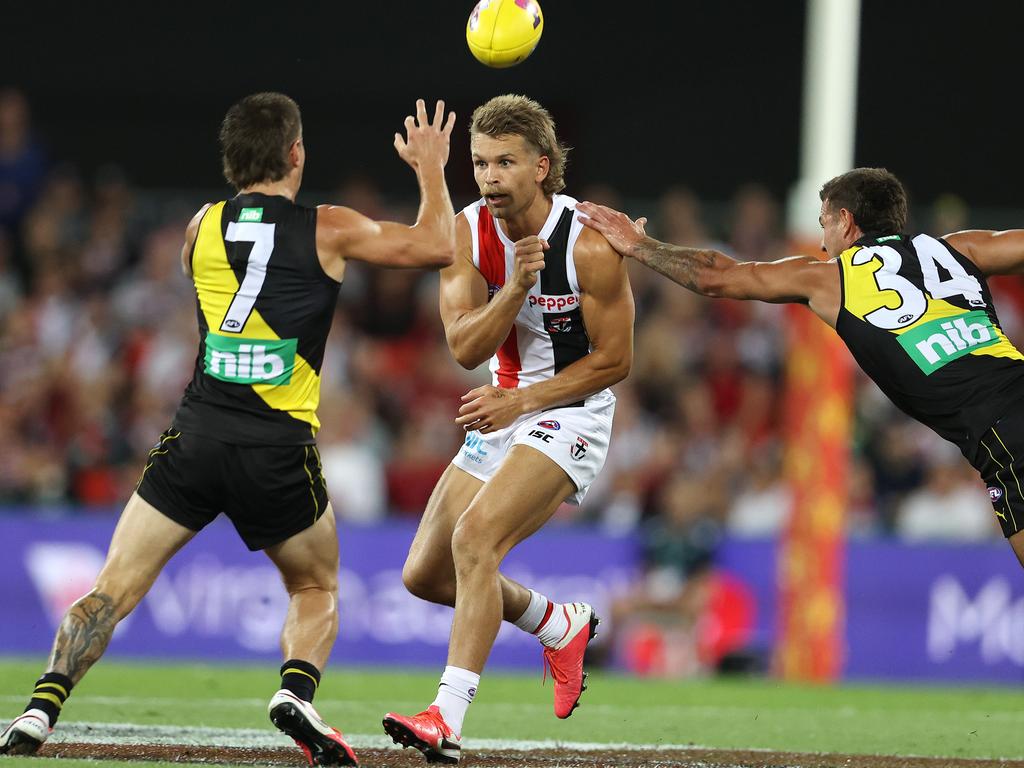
<point x="913" y="612"/>
<point x="216" y="599"/>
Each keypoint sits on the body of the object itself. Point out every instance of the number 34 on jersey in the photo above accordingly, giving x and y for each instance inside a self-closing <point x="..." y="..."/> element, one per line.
<point x="925" y="296"/>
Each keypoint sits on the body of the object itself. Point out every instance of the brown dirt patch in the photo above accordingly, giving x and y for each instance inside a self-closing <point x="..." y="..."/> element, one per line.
<point x="382" y="758"/>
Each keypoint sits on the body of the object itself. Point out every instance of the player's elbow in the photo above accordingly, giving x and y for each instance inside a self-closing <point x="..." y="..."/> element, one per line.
<point x="465" y="355"/>
<point x="434" y="248"/>
<point x="617" y="366"/>
<point x="622" y="370"/>
<point x="444" y="255"/>
<point x="470" y="361"/>
<point x="430" y="254"/>
<point x="715" y="278"/>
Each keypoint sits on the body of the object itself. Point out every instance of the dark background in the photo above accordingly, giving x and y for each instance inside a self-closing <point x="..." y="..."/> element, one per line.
<point x="650" y="94"/>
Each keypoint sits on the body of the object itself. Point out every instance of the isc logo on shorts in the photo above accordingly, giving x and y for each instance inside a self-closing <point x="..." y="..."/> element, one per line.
<point x="250" y="361"/>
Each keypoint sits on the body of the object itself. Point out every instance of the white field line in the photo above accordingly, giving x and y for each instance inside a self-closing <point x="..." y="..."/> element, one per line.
<point x="131" y="733"/>
<point x="385" y="705"/>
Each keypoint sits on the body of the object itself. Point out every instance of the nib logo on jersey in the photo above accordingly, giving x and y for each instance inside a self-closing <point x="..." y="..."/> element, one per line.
<point x="940" y="341"/>
<point x="250" y="361"/>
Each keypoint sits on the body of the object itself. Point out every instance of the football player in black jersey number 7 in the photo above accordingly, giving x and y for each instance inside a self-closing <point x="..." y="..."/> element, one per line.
<point x="266" y="274"/>
<point x="914" y="310"/>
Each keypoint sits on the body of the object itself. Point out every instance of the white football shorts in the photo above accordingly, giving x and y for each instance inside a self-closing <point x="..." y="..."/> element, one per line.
<point x="576" y="439"/>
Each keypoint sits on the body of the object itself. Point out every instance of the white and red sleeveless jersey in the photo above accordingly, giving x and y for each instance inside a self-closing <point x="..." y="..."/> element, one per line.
<point x="548" y="334"/>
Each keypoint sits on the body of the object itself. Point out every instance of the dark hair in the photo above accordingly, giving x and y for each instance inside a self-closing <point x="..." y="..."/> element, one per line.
<point x="512" y="115"/>
<point x="874" y="196"/>
<point x="255" y="137"/>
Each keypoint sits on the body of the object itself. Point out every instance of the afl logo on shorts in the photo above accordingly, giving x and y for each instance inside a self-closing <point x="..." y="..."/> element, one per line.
<point x="995" y="494"/>
<point x="579" y="450"/>
<point x="549" y="424"/>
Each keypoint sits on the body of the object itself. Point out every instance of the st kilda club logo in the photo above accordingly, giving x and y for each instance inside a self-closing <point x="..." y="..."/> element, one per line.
<point x="579" y="449"/>
<point x="558" y="323"/>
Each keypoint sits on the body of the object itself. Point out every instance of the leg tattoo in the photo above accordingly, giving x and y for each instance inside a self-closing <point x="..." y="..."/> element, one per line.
<point x="83" y="635"/>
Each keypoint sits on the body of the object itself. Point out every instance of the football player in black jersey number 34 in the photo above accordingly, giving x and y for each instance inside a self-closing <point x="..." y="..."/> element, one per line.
<point x="266" y="274"/>
<point x="914" y="310"/>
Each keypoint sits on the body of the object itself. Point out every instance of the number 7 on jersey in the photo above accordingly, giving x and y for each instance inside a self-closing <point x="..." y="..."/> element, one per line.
<point x="262" y="238"/>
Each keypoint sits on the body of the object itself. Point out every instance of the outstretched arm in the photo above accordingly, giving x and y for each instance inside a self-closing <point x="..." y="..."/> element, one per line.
<point x="994" y="253"/>
<point x="607" y="308"/>
<point x="799" y="279"/>
<point x="343" y="233"/>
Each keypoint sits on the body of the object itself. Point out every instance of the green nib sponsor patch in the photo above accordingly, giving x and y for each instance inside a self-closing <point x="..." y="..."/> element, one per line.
<point x="251" y="214"/>
<point x="250" y="361"/>
<point x="941" y="341"/>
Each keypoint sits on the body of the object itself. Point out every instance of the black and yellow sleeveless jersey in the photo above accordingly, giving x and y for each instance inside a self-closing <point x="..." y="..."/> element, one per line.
<point x="265" y="307"/>
<point x="918" y="317"/>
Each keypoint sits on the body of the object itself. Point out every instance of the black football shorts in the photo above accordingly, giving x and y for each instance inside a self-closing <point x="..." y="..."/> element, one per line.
<point x="269" y="492"/>
<point x="1000" y="461"/>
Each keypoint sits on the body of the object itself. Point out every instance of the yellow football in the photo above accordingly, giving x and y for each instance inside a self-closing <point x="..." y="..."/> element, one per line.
<point x="501" y="33"/>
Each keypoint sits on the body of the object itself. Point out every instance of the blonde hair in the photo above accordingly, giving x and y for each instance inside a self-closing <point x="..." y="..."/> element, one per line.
<point x="514" y="115"/>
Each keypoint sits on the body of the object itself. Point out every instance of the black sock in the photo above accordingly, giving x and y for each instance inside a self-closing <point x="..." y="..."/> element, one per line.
<point x="52" y="690"/>
<point x="300" y="677"/>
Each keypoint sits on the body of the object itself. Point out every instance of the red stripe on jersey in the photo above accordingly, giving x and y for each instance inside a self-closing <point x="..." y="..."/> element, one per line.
<point x="492" y="267"/>
<point x="509" y="364"/>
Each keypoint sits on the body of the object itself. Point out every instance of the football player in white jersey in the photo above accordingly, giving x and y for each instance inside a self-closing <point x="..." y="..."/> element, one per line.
<point x="548" y="302"/>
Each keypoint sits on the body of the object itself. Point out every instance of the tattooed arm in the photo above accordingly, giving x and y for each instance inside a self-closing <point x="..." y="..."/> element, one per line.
<point x="800" y="279"/>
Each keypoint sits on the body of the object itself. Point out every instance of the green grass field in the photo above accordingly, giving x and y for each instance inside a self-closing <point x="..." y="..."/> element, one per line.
<point x="739" y="714"/>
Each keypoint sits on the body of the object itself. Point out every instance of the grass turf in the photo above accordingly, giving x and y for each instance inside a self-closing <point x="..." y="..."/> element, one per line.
<point x="737" y="714"/>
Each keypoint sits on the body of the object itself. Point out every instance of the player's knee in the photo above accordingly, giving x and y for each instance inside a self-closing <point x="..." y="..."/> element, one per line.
<point x="425" y="584"/>
<point x="473" y="547"/>
<point x="312" y="579"/>
<point x="121" y="585"/>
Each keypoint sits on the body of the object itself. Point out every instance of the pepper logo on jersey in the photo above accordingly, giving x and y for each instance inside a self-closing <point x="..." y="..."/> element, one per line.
<point x="940" y="341"/>
<point x="549" y="424"/>
<point x="554" y="303"/>
<point x="250" y="361"/>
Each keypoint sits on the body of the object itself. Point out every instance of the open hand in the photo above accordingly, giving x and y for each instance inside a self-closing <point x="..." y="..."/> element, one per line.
<point x="426" y="142"/>
<point x="622" y="233"/>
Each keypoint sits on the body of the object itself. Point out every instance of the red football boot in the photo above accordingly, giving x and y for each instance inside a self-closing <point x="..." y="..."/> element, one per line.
<point x="565" y="660"/>
<point x="427" y="732"/>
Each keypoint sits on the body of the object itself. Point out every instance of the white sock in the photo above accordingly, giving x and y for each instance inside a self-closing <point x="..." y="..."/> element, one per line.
<point x="454" y="695"/>
<point x="534" y="613"/>
<point x="545" y="619"/>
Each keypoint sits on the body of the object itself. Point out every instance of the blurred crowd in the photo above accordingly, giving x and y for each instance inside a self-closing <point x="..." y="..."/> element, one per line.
<point x="98" y="339"/>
